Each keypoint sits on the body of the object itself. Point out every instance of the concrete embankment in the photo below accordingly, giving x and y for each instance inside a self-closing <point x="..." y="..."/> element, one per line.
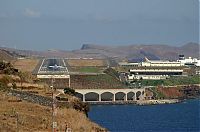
<point x="154" y="102"/>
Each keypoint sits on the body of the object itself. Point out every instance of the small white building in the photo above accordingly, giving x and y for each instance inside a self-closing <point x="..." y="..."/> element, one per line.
<point x="198" y="72"/>
<point x="188" y="61"/>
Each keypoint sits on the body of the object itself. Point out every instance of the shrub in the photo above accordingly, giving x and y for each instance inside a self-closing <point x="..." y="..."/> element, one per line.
<point x="6" y="79"/>
<point x="7" y="68"/>
<point x="69" y="91"/>
<point x="14" y="85"/>
<point x="2" y="86"/>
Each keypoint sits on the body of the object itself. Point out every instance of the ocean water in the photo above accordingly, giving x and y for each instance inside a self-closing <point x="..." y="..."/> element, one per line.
<point x="180" y="117"/>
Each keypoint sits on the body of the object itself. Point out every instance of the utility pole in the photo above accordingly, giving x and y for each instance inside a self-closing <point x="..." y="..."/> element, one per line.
<point x="54" y="123"/>
<point x="17" y="114"/>
<point x="69" y="81"/>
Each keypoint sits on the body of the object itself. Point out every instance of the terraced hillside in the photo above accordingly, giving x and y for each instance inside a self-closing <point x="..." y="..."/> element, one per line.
<point x="101" y="81"/>
<point x="57" y="83"/>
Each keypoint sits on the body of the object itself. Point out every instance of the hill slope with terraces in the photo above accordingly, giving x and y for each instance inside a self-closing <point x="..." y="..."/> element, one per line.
<point x="102" y="81"/>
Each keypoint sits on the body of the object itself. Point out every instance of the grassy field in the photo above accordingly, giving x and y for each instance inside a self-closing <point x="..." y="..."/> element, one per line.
<point x="90" y="69"/>
<point x="27" y="65"/>
<point x="85" y="62"/>
<point x="102" y="81"/>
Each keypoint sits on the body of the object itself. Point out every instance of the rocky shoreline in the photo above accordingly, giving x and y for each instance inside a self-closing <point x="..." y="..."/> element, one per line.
<point x="159" y="101"/>
<point x="138" y="102"/>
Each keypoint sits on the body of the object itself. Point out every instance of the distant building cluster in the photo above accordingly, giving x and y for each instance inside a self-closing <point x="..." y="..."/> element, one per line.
<point x="182" y="61"/>
<point x="153" y="74"/>
<point x="189" y="61"/>
<point x="159" y="69"/>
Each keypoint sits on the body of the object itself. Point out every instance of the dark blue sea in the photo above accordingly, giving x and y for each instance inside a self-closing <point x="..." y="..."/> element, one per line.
<point x="180" y="117"/>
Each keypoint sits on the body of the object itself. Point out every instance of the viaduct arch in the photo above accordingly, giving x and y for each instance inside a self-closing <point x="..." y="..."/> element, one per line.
<point x="110" y="95"/>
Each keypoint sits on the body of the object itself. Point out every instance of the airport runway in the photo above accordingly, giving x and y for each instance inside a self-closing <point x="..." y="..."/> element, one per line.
<point x="53" y="66"/>
<point x="61" y="67"/>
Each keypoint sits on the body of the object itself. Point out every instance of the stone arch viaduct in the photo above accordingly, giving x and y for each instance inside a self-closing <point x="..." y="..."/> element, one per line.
<point x="110" y="95"/>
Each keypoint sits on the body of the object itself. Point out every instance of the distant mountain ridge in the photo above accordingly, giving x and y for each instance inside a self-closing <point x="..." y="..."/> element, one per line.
<point x="130" y="52"/>
<point x="150" y="51"/>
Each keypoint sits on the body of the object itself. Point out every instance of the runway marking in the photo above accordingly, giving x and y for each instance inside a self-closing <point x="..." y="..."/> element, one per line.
<point x="65" y="65"/>
<point x="41" y="66"/>
<point x="45" y="70"/>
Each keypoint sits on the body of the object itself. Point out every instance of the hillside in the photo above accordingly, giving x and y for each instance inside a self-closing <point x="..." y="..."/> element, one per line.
<point x="6" y="56"/>
<point x="20" y="115"/>
<point x="131" y="52"/>
<point x="27" y="105"/>
<point x="140" y="51"/>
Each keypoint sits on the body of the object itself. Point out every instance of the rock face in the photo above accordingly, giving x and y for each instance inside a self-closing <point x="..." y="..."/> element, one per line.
<point x="191" y="91"/>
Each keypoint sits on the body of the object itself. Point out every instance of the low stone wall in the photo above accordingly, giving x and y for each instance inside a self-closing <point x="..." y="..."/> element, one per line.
<point x="33" y="98"/>
<point x="47" y="101"/>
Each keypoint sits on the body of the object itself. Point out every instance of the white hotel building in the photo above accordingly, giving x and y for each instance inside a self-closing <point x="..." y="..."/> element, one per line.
<point x="160" y="63"/>
<point x="153" y="74"/>
<point x="156" y="73"/>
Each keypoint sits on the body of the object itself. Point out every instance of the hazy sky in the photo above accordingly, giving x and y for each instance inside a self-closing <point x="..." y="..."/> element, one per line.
<point x="67" y="24"/>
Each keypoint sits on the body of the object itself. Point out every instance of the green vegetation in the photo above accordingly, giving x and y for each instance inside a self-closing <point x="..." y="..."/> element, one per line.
<point x="100" y="78"/>
<point x="158" y="95"/>
<point x="4" y="82"/>
<point x="7" y="68"/>
<point x="2" y="86"/>
<point x="69" y="91"/>
<point x="102" y="81"/>
<point x="112" y="72"/>
<point x="186" y="80"/>
<point x="90" y="69"/>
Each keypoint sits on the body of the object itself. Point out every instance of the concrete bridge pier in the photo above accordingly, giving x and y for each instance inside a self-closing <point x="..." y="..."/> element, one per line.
<point x="99" y="98"/>
<point x="83" y="97"/>
<point x="113" y="97"/>
<point x="126" y="97"/>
